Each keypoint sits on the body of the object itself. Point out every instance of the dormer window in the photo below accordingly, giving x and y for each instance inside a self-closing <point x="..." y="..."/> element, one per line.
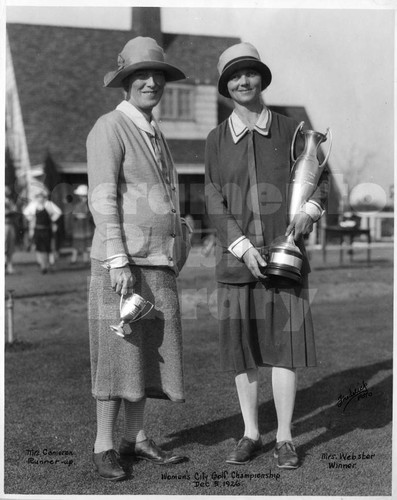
<point x="178" y="102"/>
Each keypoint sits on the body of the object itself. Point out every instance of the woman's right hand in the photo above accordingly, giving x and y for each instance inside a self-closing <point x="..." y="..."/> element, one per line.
<point x="121" y="280"/>
<point x="253" y="259"/>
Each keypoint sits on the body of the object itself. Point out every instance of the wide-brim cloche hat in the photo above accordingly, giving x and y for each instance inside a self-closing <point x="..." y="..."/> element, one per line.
<point x="240" y="56"/>
<point x="141" y="53"/>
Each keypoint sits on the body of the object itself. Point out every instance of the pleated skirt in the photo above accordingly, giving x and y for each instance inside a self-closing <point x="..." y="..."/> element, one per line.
<point x="148" y="361"/>
<point x="261" y="326"/>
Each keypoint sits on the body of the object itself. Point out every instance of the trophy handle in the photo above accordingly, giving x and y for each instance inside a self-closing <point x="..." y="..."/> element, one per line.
<point x="298" y="129"/>
<point x="141" y="316"/>
<point x="328" y="132"/>
<point x="146" y="313"/>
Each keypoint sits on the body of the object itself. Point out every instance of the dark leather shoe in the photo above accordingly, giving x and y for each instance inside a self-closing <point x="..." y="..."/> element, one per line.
<point x="244" y="451"/>
<point x="286" y="455"/>
<point x="108" y="465"/>
<point x="127" y="448"/>
<point x="148" y="450"/>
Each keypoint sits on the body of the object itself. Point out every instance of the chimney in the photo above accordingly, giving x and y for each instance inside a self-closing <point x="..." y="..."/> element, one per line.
<point x="146" y="21"/>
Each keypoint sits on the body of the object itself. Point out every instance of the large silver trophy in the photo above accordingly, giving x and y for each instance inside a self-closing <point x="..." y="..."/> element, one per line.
<point x="285" y="259"/>
<point x="131" y="310"/>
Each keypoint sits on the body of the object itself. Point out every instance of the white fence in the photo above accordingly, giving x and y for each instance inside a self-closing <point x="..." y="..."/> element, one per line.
<point x="380" y="224"/>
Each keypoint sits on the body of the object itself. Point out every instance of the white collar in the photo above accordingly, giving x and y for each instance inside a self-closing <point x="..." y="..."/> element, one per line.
<point x="137" y="117"/>
<point x="238" y="129"/>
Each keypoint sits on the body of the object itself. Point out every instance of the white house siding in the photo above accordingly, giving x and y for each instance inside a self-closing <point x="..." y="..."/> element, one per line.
<point x="15" y="131"/>
<point x="205" y="117"/>
<point x="190" y="168"/>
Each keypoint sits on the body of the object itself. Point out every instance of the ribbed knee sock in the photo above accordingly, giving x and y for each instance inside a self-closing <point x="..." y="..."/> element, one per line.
<point x="134" y="418"/>
<point x="107" y="412"/>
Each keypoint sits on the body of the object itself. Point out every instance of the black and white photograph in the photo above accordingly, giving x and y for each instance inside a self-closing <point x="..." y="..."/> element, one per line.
<point x="199" y="248"/>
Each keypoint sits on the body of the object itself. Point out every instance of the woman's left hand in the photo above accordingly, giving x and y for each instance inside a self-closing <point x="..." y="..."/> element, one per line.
<point x="301" y="225"/>
<point x="121" y="279"/>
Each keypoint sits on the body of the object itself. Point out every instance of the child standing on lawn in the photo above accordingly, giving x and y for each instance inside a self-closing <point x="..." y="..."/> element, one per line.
<point x="42" y="215"/>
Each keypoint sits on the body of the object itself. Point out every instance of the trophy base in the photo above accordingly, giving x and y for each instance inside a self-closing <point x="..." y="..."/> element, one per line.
<point x="118" y="330"/>
<point x="283" y="276"/>
<point x="284" y="263"/>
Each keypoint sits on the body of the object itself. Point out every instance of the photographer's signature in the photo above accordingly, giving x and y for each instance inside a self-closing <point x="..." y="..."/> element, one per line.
<point x="359" y="392"/>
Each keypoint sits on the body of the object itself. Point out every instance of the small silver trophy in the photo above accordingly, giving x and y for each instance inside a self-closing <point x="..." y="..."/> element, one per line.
<point x="285" y="259"/>
<point x="131" y="310"/>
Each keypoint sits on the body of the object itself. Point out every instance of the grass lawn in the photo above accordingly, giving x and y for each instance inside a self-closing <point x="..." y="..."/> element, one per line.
<point x="50" y="413"/>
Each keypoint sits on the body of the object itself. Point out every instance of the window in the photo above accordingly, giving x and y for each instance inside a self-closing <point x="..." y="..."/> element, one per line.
<point x="178" y="103"/>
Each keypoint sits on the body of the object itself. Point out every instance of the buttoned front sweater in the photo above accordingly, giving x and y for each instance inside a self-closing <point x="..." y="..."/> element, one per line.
<point x="228" y="198"/>
<point x="135" y="210"/>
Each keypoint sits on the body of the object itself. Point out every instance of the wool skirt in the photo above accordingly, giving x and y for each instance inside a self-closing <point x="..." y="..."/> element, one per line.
<point x="147" y="362"/>
<point x="261" y="326"/>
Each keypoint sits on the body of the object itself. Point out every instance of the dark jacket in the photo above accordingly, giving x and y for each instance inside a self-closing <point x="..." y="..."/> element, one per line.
<point x="227" y="186"/>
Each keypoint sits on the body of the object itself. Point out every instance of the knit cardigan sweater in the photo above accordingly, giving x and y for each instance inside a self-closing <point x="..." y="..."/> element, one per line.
<point x="135" y="210"/>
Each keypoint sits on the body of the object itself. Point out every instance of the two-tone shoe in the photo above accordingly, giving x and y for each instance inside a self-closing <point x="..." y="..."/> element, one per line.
<point x="107" y="464"/>
<point x="150" y="451"/>
<point x="286" y="455"/>
<point x="244" y="451"/>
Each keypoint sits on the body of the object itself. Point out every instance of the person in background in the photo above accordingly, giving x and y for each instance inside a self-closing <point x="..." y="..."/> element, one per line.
<point x="42" y="215"/>
<point x="9" y="230"/>
<point x="139" y="246"/>
<point x="83" y="226"/>
<point x="260" y="324"/>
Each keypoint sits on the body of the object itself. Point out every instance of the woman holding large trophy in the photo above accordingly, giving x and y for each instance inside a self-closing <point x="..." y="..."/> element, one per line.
<point x="261" y="265"/>
<point x="139" y="246"/>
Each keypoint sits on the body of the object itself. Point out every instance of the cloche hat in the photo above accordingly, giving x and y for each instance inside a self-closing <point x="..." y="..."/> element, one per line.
<point x="141" y="53"/>
<point x="239" y="56"/>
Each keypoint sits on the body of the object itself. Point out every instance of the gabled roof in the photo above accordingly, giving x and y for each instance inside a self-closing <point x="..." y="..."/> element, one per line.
<point x="59" y="73"/>
<point x="197" y="55"/>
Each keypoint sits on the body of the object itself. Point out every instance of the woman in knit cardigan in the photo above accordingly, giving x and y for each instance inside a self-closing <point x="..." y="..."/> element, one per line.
<point x="260" y="324"/>
<point x="139" y="245"/>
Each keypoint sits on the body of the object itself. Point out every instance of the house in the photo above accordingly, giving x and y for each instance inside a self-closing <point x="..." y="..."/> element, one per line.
<point x="55" y="94"/>
<point x="58" y="87"/>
